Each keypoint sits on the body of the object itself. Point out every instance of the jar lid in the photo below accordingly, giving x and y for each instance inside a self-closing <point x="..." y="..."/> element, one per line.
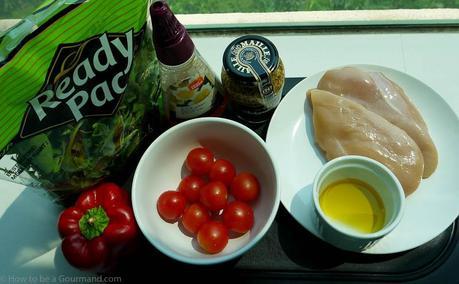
<point x="250" y="58"/>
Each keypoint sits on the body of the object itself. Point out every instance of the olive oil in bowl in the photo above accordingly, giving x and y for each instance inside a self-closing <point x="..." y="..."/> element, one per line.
<point x="354" y="204"/>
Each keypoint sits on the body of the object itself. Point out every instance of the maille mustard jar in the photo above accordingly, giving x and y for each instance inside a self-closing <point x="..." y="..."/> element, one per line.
<point x="253" y="77"/>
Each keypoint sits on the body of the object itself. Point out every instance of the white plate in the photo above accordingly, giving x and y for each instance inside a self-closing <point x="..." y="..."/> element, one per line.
<point x="429" y="210"/>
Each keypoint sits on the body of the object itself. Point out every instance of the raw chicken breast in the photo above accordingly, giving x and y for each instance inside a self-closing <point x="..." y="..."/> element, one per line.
<point x="379" y="94"/>
<point x="344" y="127"/>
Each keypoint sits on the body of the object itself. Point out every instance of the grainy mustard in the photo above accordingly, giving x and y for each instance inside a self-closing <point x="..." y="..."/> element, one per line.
<point x="253" y="77"/>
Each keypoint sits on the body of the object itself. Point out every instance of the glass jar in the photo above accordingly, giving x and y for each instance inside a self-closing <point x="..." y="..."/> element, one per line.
<point x="253" y="77"/>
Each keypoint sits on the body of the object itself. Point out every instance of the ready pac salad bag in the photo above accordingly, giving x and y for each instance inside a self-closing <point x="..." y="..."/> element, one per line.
<point x="77" y="82"/>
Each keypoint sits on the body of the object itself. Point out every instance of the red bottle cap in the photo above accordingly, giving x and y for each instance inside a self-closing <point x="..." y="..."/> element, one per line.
<point x="172" y="43"/>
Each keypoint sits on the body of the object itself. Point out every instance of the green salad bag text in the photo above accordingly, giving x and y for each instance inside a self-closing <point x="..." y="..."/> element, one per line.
<point x="78" y="80"/>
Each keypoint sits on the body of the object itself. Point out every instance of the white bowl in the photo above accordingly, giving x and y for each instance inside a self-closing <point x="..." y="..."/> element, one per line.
<point x="371" y="172"/>
<point x="162" y="167"/>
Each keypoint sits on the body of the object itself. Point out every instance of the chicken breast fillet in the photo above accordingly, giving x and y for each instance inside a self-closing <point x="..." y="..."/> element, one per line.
<point x="379" y="94"/>
<point x="344" y="127"/>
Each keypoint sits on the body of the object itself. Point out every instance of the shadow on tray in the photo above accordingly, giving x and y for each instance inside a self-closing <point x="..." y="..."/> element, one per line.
<point x="310" y="252"/>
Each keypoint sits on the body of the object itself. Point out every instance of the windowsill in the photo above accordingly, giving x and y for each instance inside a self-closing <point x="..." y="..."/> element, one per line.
<point x="322" y="18"/>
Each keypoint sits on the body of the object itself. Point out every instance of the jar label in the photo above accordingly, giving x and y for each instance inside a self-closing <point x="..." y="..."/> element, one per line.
<point x="252" y="57"/>
<point x="191" y="97"/>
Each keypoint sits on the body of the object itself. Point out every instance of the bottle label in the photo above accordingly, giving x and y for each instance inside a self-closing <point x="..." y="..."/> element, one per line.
<point x="192" y="97"/>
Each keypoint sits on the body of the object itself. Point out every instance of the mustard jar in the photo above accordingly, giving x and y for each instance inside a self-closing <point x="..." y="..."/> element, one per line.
<point x="253" y="77"/>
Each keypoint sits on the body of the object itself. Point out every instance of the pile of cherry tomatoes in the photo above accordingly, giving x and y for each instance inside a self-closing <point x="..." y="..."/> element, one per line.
<point x="212" y="201"/>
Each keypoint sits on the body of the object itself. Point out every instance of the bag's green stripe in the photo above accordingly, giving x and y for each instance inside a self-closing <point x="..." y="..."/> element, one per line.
<point x="19" y="90"/>
<point x="16" y="118"/>
<point x="24" y="54"/>
<point x="44" y="55"/>
<point x="23" y="86"/>
<point x="12" y="127"/>
<point x="9" y="117"/>
<point x="26" y="87"/>
<point x="64" y="23"/>
<point x="15" y="115"/>
<point x="46" y="58"/>
<point x="132" y="11"/>
<point x="43" y="22"/>
<point x="39" y="80"/>
<point x="84" y="13"/>
<point x="33" y="63"/>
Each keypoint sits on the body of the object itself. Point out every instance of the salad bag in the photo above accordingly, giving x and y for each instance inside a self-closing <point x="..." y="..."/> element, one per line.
<point x="78" y="80"/>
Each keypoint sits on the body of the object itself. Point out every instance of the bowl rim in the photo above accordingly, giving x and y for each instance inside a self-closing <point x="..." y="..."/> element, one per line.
<point x="365" y="161"/>
<point x="213" y="259"/>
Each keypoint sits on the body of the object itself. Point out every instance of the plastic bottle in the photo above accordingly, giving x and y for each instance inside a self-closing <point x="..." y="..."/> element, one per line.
<point x="190" y="86"/>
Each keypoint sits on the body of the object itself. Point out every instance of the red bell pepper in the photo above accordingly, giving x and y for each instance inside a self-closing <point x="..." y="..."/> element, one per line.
<point x="98" y="226"/>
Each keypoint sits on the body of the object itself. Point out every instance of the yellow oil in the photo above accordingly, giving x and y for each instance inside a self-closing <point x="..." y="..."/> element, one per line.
<point x="354" y="204"/>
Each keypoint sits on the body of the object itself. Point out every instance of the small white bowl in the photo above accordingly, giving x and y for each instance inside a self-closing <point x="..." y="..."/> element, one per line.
<point x="371" y="172"/>
<point x="162" y="167"/>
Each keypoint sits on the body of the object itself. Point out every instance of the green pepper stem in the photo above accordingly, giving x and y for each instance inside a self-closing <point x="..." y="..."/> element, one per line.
<point x="93" y="223"/>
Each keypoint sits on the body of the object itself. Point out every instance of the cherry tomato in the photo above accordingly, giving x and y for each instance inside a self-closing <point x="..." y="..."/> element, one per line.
<point x="213" y="237"/>
<point x="245" y="187"/>
<point x="214" y="195"/>
<point x="171" y="205"/>
<point x="194" y="217"/>
<point x="222" y="170"/>
<point x="190" y="187"/>
<point x="238" y="217"/>
<point x="199" y="161"/>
